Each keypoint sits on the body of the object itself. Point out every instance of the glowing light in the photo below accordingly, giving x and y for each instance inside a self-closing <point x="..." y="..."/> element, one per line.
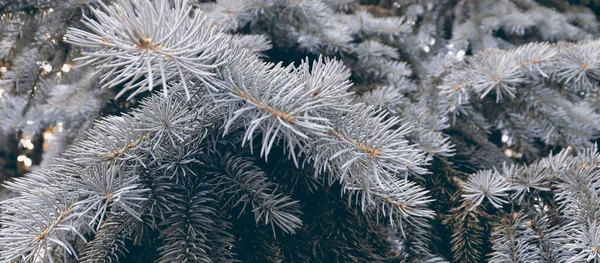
<point x="48" y="138"/>
<point x="59" y="127"/>
<point x="430" y="40"/>
<point x="3" y="69"/>
<point x="48" y="135"/>
<point x="65" y="68"/>
<point x="505" y="138"/>
<point x="25" y="160"/>
<point x="512" y="154"/>
<point x="460" y="55"/>
<point x="29" y="122"/>
<point x="26" y="142"/>
<point x="45" y="66"/>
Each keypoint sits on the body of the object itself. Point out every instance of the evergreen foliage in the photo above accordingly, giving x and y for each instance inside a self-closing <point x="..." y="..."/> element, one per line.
<point x="299" y="131"/>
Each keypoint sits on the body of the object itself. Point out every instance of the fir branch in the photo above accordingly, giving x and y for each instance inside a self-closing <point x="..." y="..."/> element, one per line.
<point x="514" y="241"/>
<point x="467" y="233"/>
<point x="108" y="244"/>
<point x="239" y="182"/>
<point x="186" y="228"/>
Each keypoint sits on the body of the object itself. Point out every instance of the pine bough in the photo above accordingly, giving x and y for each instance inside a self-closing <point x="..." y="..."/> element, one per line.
<point x="144" y="168"/>
<point x="182" y="166"/>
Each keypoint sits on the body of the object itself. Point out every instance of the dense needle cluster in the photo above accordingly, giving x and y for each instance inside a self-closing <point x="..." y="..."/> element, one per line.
<point x="300" y="131"/>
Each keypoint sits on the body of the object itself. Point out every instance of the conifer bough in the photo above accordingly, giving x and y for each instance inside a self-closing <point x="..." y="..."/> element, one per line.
<point x="225" y="90"/>
<point x="464" y="137"/>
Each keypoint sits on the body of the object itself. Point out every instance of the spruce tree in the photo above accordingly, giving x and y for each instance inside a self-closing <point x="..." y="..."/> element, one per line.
<point x="299" y="131"/>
